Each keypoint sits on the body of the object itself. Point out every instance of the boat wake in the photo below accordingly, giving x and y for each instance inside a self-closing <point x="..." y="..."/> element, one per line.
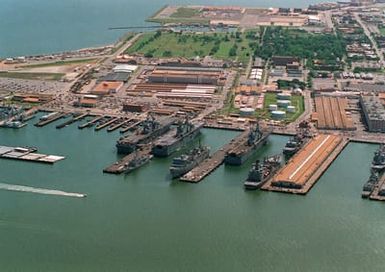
<point x="21" y="188"/>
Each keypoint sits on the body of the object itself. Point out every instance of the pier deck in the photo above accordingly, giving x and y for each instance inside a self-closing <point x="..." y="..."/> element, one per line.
<point x="210" y="164"/>
<point x="91" y="123"/>
<point x="72" y="120"/>
<point x="58" y="116"/>
<point x="302" y="171"/>
<point x="118" y="167"/>
<point x="106" y="124"/>
<point x="27" y="154"/>
<point x="379" y="191"/>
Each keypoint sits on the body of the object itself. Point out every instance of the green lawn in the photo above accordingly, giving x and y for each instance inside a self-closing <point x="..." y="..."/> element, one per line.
<point x="190" y="45"/>
<point x="60" y="63"/>
<point x="184" y="12"/>
<point x="382" y="30"/>
<point x="40" y="76"/>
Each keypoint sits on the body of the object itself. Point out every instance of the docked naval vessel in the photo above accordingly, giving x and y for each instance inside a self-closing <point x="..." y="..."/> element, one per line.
<point x="378" y="163"/>
<point x="246" y="147"/>
<point x="149" y="131"/>
<point x="170" y="142"/>
<point x="370" y="184"/>
<point x="262" y="172"/>
<point x="186" y="162"/>
<point x="295" y="143"/>
<point x="137" y="162"/>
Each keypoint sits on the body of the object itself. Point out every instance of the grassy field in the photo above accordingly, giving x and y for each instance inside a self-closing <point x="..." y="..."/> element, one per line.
<point x="227" y="46"/>
<point x="382" y="30"/>
<point x="59" y="63"/>
<point x="184" y="12"/>
<point x="40" y="76"/>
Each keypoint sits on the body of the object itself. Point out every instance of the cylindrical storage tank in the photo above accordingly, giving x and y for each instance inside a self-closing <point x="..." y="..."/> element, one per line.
<point x="283" y="103"/>
<point x="284" y="96"/>
<point x="273" y="107"/>
<point x="291" y="109"/>
<point x="247" y="111"/>
<point x="278" y="115"/>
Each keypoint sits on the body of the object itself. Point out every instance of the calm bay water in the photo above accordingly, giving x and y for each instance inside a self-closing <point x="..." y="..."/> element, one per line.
<point x="30" y="27"/>
<point x="145" y="222"/>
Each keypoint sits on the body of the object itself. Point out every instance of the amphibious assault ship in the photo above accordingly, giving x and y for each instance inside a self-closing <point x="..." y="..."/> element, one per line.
<point x="246" y="146"/>
<point x="149" y="131"/>
<point x="184" y="133"/>
<point x="262" y="172"/>
<point x="378" y="163"/>
<point x="186" y="162"/>
<point x="370" y="184"/>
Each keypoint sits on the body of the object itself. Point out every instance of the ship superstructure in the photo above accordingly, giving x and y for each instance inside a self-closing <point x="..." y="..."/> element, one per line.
<point x="247" y="146"/>
<point x="150" y="129"/>
<point x="262" y="172"/>
<point x="182" y="134"/>
<point x="186" y="162"/>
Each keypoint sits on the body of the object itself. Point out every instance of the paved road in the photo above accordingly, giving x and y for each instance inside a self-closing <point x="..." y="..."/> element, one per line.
<point x="373" y="42"/>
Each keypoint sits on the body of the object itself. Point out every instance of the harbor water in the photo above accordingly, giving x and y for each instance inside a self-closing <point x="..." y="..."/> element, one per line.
<point x="30" y="27"/>
<point x="146" y="222"/>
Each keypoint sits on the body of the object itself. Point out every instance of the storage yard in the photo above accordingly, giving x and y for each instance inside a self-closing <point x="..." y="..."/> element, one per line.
<point x="331" y="113"/>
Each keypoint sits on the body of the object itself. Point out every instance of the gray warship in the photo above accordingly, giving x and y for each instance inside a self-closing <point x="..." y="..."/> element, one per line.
<point x="150" y="129"/>
<point x="262" y="172"/>
<point x="247" y="146"/>
<point x="186" y="162"/>
<point x="370" y="184"/>
<point x="136" y="162"/>
<point x="295" y="143"/>
<point x="170" y="142"/>
<point x="378" y="163"/>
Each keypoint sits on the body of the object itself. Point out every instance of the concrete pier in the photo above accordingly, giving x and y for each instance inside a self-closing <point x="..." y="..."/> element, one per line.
<point x="210" y="164"/>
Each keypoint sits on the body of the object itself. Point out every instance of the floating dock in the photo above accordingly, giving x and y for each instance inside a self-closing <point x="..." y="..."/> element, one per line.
<point x="74" y="119"/>
<point x="55" y="117"/>
<point x="118" y="167"/>
<point x="210" y="164"/>
<point x="303" y="170"/>
<point x="27" y="154"/>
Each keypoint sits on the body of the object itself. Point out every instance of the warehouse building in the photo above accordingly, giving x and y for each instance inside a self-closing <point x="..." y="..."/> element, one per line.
<point x="374" y="113"/>
<point x="186" y="75"/>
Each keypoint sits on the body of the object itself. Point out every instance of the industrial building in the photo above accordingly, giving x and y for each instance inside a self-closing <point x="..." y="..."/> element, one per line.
<point x="106" y="88"/>
<point x="186" y="75"/>
<point x="374" y="113"/>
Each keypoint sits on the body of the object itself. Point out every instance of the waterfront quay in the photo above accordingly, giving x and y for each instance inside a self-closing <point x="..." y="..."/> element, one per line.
<point x="209" y="165"/>
<point x="306" y="167"/>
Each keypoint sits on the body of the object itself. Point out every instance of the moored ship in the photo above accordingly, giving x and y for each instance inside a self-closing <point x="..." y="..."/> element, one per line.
<point x="137" y="162"/>
<point x="246" y="147"/>
<point x="186" y="162"/>
<point x="295" y="143"/>
<point x="170" y="142"/>
<point x="149" y="131"/>
<point x="262" y="172"/>
<point x="378" y="163"/>
<point x="370" y="184"/>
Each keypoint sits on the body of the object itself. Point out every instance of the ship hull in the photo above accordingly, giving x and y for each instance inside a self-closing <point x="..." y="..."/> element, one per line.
<point x="178" y="172"/>
<point x="239" y="159"/>
<point x="168" y="149"/>
<point x="126" y="146"/>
